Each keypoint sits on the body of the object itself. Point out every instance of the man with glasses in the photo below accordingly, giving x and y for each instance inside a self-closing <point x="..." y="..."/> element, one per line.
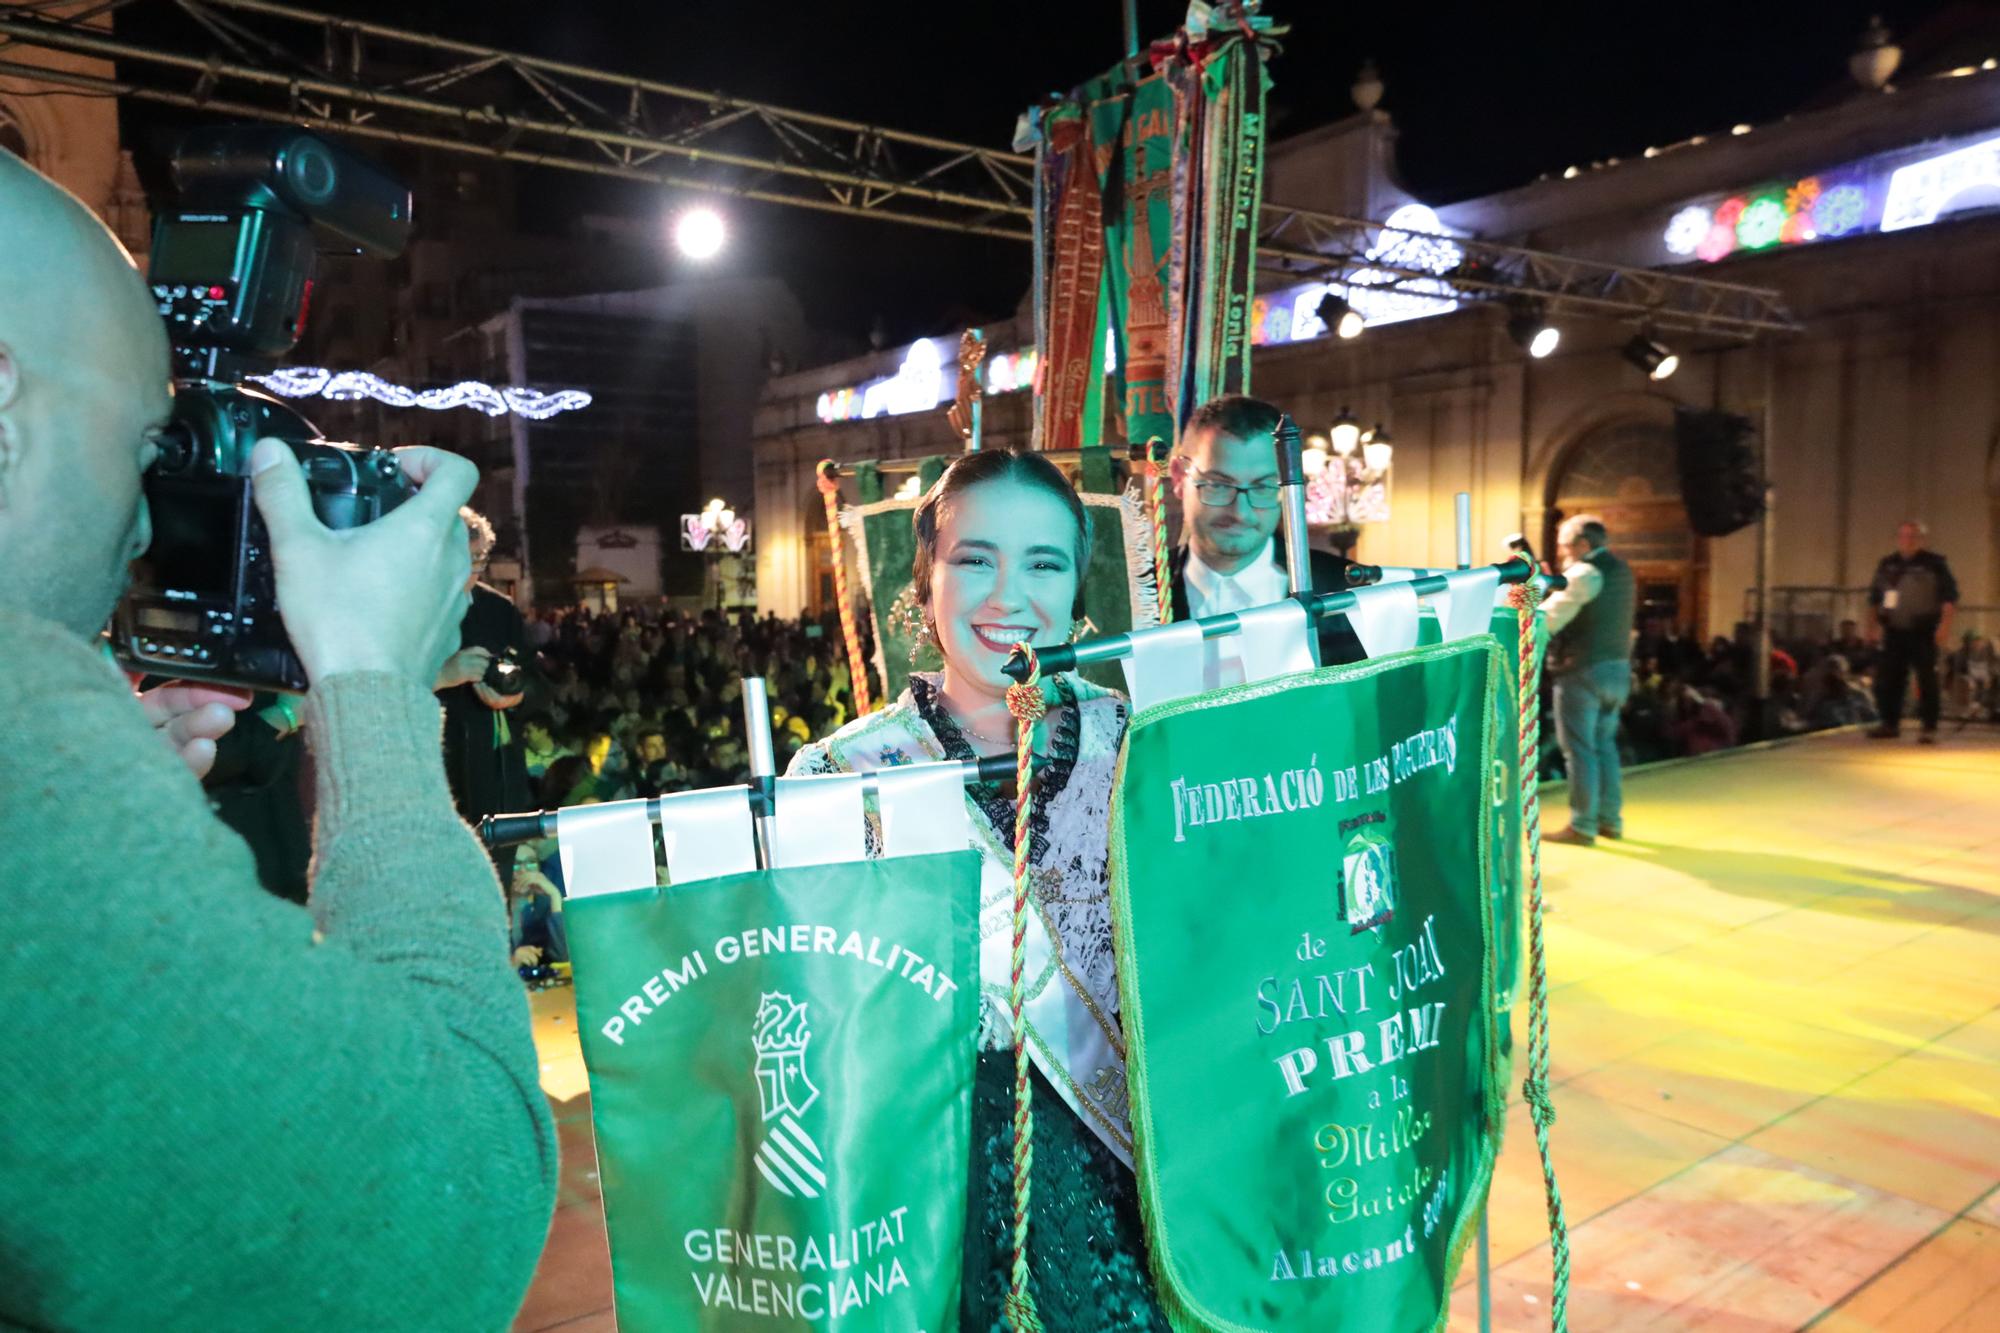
<point x="1225" y="474"/>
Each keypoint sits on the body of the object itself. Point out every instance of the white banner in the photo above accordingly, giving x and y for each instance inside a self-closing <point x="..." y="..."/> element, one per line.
<point x="1167" y="663"/>
<point x="923" y="808"/>
<point x="1384" y="618"/>
<point x="1465" y="607"/>
<point x="1275" y="640"/>
<point x="605" y="848"/>
<point x="819" y="821"/>
<point x="707" y="834"/>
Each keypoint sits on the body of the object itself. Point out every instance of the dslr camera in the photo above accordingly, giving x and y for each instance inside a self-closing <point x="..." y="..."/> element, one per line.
<point x="504" y="673"/>
<point x="232" y="270"/>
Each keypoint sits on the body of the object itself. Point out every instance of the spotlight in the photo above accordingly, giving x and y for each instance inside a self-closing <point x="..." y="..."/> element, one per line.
<point x="699" y="233"/>
<point x="1340" y="317"/>
<point x="1532" y="330"/>
<point x="1346" y="433"/>
<point x="1655" y="358"/>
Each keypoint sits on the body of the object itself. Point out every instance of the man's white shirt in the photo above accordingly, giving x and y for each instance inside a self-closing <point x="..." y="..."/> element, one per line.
<point x="1258" y="583"/>
<point x="1585" y="582"/>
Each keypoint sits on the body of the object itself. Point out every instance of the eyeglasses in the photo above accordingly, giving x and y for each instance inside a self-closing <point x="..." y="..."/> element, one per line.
<point x="1215" y="494"/>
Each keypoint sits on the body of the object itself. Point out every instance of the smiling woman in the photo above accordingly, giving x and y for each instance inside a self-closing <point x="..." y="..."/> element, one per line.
<point x="1002" y="550"/>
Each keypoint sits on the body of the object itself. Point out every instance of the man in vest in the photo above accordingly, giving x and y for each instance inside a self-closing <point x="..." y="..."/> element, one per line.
<point x="1590" y="656"/>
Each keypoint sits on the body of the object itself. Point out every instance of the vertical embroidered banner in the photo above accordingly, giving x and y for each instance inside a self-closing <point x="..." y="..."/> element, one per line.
<point x="1344" y="1032"/>
<point x="781" y="1081"/>
<point x="1071" y="371"/>
<point x="1133" y="129"/>
<point x="1150" y="188"/>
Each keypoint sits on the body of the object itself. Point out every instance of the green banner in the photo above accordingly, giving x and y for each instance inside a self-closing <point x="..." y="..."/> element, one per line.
<point x="1337" y="1017"/>
<point x="1120" y="577"/>
<point x="781" y="1080"/>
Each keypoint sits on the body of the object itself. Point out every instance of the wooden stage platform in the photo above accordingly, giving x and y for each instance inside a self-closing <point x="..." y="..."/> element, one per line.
<point x="1776" y="1052"/>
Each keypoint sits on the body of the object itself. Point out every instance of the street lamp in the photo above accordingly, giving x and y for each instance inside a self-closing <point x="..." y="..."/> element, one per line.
<point x="1349" y="485"/>
<point x="1346" y="433"/>
<point x="714" y="532"/>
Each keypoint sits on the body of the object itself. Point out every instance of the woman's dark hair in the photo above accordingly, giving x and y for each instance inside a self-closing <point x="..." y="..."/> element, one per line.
<point x="561" y="779"/>
<point x="971" y="470"/>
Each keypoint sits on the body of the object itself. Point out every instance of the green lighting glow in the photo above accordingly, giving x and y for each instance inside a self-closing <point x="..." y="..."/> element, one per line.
<point x="1762" y="223"/>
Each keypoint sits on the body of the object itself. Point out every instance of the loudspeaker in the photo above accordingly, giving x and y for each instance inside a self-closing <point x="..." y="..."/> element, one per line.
<point x="1717" y="458"/>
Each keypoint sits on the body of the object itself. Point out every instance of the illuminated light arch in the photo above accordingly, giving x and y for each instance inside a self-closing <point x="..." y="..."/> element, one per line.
<point x="353" y="385"/>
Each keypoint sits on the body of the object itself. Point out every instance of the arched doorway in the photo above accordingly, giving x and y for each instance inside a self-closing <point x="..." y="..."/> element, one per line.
<point x="1624" y="471"/>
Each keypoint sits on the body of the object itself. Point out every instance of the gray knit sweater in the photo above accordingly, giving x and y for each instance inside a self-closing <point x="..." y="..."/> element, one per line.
<point x="210" y="1119"/>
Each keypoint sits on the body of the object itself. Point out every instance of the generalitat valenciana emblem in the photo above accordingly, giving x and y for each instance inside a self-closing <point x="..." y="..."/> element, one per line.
<point x="1368" y="879"/>
<point x="788" y="1158"/>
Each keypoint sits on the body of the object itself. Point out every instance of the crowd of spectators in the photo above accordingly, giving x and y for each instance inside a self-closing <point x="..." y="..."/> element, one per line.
<point x="1690" y="698"/>
<point x="646" y="701"/>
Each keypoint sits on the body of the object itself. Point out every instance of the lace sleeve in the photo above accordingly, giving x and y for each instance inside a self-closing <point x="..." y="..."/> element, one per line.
<point x="812" y="761"/>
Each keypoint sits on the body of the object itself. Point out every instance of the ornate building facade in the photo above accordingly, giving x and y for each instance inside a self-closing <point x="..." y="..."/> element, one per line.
<point x="1876" y="215"/>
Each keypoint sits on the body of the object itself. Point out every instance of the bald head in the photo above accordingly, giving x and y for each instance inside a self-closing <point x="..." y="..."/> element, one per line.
<point x="83" y="381"/>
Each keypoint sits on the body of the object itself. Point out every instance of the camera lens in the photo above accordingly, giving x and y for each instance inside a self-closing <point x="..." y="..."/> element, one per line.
<point x="175" y="443"/>
<point x="312" y="171"/>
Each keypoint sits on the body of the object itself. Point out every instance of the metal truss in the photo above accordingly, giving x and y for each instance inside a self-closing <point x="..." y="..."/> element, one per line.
<point x="1420" y="266"/>
<point x="260" y="60"/>
<point x="270" y="61"/>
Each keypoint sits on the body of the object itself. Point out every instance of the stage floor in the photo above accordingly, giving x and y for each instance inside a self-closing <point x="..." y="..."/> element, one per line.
<point x="1775" y="1031"/>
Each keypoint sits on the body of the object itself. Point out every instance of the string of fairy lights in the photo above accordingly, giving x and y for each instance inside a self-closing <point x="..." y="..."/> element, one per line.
<point x="353" y="385"/>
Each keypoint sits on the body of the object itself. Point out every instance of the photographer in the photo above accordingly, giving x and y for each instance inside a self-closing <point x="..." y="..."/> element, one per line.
<point x="480" y="685"/>
<point x="223" y="1110"/>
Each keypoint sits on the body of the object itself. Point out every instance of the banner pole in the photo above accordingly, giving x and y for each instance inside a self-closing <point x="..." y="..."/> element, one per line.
<point x="1292" y="508"/>
<point x="1058" y="658"/>
<point x="763" y="765"/>
<point x="528" y="825"/>
<point x="1464" y="517"/>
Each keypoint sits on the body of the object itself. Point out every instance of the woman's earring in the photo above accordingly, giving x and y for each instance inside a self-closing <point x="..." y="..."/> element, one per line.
<point x="1076" y="629"/>
<point x="922" y="639"/>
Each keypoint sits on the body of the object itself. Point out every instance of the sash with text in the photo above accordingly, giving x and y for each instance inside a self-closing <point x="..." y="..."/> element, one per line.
<point x="781" y="1072"/>
<point x="1305" y="922"/>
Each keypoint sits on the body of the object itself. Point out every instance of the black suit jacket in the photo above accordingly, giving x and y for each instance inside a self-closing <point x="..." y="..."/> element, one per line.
<point x="1337" y="643"/>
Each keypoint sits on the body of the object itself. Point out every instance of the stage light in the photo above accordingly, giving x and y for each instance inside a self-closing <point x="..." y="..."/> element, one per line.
<point x="1339" y="317"/>
<point x="699" y="233"/>
<point x="1346" y="433"/>
<point x="1315" y="456"/>
<point x="1532" y="330"/>
<point x="1655" y="358"/>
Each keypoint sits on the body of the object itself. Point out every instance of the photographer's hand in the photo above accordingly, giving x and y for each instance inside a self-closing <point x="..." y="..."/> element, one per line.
<point x="495" y="700"/>
<point x="192" y="718"/>
<point x="387" y="596"/>
<point x="464" y="667"/>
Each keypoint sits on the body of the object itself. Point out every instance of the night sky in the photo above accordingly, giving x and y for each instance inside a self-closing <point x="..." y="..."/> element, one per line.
<point x="1485" y="96"/>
